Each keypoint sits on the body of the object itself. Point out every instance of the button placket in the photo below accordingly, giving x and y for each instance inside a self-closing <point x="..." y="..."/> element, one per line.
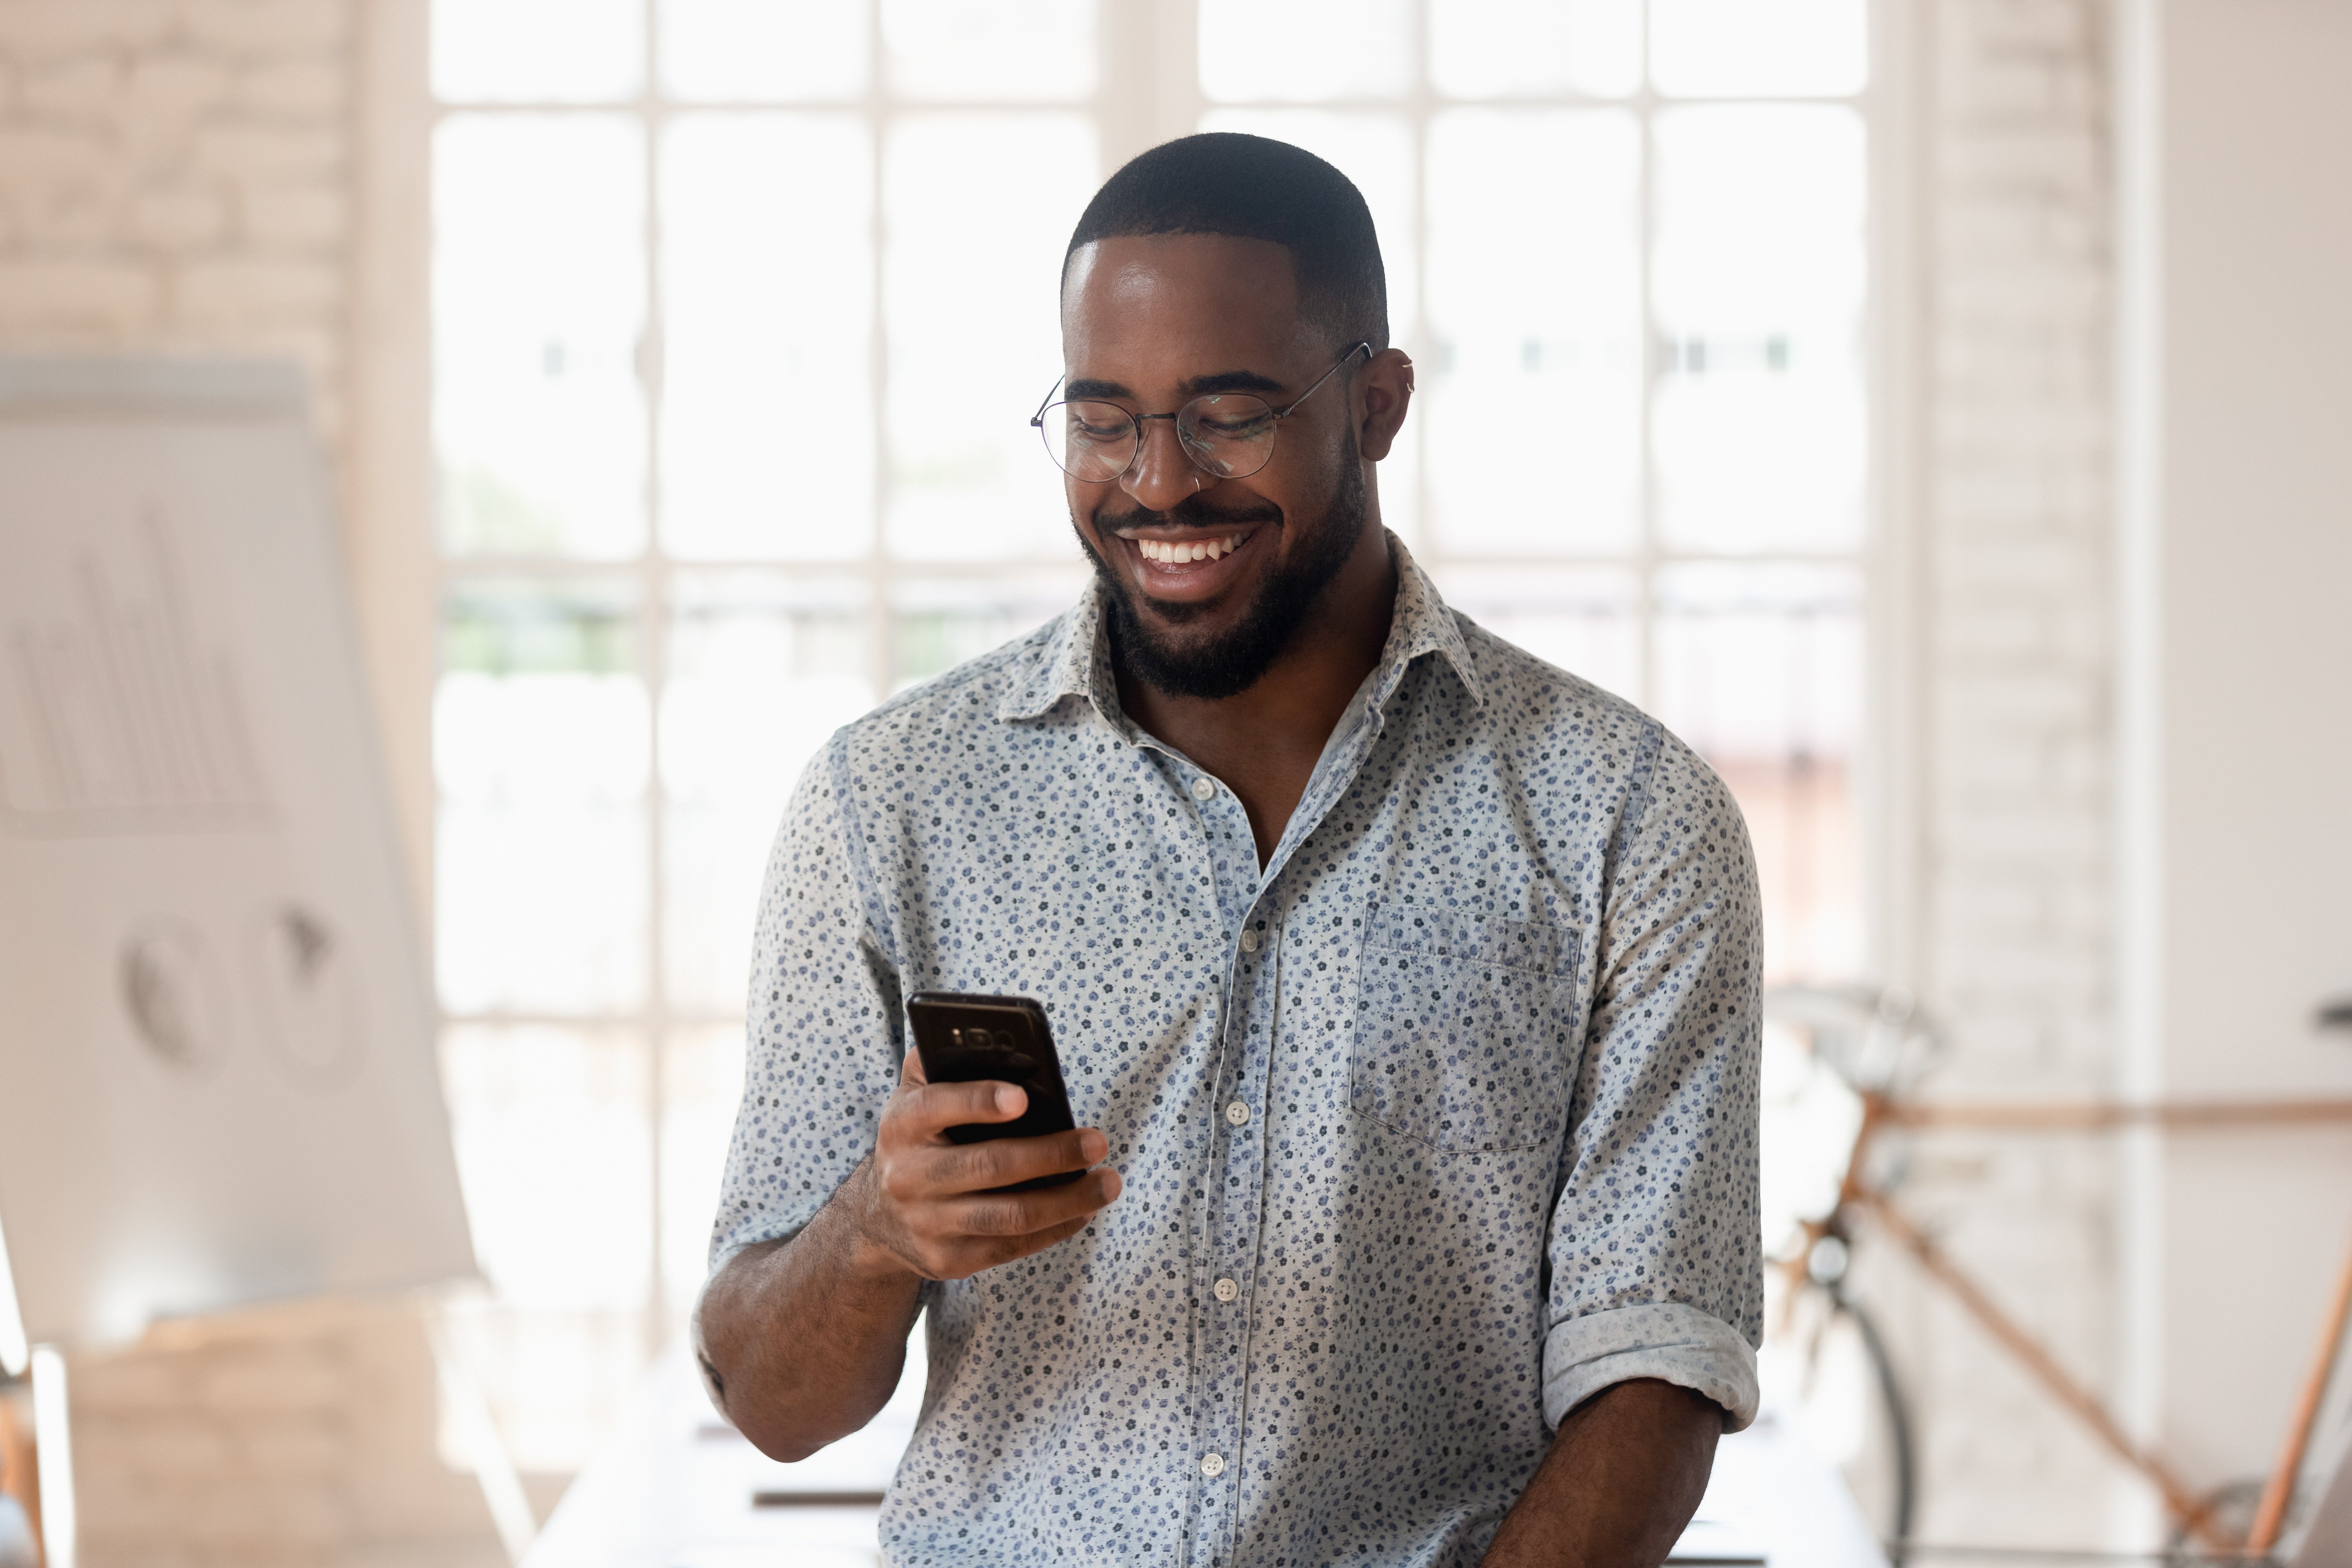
<point x="1240" y="1175"/>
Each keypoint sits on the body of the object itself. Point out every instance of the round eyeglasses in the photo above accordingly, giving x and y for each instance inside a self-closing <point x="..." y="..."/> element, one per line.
<point x="1227" y="435"/>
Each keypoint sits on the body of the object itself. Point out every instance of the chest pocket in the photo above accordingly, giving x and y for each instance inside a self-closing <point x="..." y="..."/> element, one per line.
<point x="1461" y="1025"/>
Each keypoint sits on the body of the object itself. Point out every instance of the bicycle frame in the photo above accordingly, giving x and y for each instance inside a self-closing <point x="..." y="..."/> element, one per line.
<point x="1881" y="1112"/>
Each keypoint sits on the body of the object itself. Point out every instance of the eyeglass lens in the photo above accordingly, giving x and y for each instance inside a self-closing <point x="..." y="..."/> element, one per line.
<point x="1229" y="436"/>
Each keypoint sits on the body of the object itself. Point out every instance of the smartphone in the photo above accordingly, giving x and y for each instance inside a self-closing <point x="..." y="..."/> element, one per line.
<point x="966" y="1039"/>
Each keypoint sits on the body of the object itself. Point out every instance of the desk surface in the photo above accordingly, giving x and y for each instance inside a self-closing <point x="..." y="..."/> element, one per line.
<point x="675" y="1488"/>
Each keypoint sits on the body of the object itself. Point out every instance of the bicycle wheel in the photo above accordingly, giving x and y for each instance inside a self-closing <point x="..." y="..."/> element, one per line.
<point x="1854" y="1415"/>
<point x="2229" y="1512"/>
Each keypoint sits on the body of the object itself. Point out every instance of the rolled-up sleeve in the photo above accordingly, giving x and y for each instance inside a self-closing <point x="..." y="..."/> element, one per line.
<point x="1655" y="1250"/>
<point x="823" y="1034"/>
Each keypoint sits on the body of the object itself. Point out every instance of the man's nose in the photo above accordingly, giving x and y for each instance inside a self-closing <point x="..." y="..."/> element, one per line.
<point x="1162" y="476"/>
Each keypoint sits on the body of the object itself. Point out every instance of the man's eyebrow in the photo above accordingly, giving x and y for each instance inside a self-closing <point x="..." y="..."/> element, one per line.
<point x="1198" y="386"/>
<point x="1230" y="380"/>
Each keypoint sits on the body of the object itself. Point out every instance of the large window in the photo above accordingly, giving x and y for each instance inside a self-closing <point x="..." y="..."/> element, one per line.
<point x="740" y="308"/>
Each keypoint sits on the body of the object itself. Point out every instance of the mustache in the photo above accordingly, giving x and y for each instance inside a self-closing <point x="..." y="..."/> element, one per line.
<point x="1191" y="512"/>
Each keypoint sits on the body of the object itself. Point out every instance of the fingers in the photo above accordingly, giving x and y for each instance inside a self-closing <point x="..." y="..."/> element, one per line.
<point x="938" y="1209"/>
<point x="985" y="1230"/>
<point x="929" y="1111"/>
<point x="937" y="1173"/>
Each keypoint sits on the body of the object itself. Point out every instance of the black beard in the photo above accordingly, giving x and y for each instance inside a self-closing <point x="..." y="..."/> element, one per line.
<point x="1230" y="664"/>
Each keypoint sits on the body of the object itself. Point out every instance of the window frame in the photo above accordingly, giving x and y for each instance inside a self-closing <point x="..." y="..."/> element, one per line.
<point x="1147" y="90"/>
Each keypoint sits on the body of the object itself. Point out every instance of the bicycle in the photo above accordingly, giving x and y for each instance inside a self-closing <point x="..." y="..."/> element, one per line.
<point x="1878" y="1046"/>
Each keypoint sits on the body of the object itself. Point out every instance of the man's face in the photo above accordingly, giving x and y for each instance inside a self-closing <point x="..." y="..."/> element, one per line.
<point x="1150" y="324"/>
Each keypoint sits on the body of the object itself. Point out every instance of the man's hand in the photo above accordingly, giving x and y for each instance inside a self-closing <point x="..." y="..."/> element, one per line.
<point x="802" y="1341"/>
<point x="1625" y="1473"/>
<point x="922" y="1206"/>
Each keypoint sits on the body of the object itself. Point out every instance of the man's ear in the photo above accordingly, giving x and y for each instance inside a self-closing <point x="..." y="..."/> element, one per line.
<point x="1382" y="392"/>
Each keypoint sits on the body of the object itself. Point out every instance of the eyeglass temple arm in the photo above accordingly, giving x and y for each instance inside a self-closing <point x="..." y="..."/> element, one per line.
<point x="1365" y="348"/>
<point x="1038" y="418"/>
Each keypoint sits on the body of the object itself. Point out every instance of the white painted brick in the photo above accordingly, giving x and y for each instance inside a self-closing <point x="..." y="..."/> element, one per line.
<point x="52" y="299"/>
<point x="257" y="153"/>
<point x="65" y="219"/>
<point x="311" y="1447"/>
<point x="2062" y="27"/>
<point x="126" y="1384"/>
<point x="277" y="26"/>
<point x="289" y="1380"/>
<point x="249" y="1512"/>
<point x="42" y="157"/>
<point x="43" y="28"/>
<point x="177" y="1447"/>
<point x="177" y="218"/>
<point x="2009" y="157"/>
<point x="1991" y="631"/>
<point x="75" y="87"/>
<point x="282" y="218"/>
<point x="234" y="289"/>
<point x="163" y="93"/>
<point x="314" y="89"/>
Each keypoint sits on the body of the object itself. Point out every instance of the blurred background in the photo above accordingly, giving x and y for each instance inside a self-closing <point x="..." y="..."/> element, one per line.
<point x="1798" y="369"/>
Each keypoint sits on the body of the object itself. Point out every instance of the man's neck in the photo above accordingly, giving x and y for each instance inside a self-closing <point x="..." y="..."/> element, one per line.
<point x="1264" y="742"/>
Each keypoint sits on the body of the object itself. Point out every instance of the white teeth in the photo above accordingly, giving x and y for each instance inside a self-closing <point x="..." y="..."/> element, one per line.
<point x="1170" y="553"/>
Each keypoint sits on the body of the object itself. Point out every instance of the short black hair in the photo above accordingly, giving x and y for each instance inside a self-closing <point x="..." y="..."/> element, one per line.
<point x="1253" y="187"/>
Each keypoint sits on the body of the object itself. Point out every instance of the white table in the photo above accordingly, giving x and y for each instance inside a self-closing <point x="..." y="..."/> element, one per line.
<point x="675" y="1488"/>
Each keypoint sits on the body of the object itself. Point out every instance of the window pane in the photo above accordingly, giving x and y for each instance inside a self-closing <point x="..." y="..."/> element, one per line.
<point x="1025" y="51"/>
<point x="1494" y="49"/>
<point x="1759" y="668"/>
<point x="975" y="337"/>
<point x="1375" y="151"/>
<point x="1758" y="293"/>
<point x="702" y="1083"/>
<point x="764" y="50"/>
<point x="1305" y="51"/>
<point x="547" y="51"/>
<point x="1582" y="621"/>
<point x="551" y="1130"/>
<point x="762" y="671"/>
<point x="1759" y="48"/>
<point x="539" y="299"/>
<point x="767" y="286"/>
<point x="553" y="1134"/>
<point x="1533" y="401"/>
<point x="942" y="622"/>
<point x="539" y="743"/>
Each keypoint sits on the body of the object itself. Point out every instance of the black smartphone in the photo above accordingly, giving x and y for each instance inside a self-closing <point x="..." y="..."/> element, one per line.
<point x="965" y="1039"/>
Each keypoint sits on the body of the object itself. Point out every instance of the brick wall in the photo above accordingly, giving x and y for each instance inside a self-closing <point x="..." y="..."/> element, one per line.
<point x="180" y="175"/>
<point x="301" y="1438"/>
<point x="2018" y="812"/>
<point x="177" y="174"/>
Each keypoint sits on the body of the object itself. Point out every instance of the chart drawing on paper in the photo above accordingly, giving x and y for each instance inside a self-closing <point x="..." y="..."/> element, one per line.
<point x="217" y="1083"/>
<point x="116" y="713"/>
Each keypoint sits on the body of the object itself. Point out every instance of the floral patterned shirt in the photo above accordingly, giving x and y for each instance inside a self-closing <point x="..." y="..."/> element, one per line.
<point x="1434" y="1125"/>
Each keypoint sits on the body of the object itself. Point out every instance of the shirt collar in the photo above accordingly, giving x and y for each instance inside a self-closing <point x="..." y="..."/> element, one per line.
<point x="1074" y="658"/>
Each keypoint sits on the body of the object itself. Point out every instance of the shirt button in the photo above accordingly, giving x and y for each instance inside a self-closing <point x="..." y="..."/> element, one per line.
<point x="1213" y="1464"/>
<point x="1237" y="1113"/>
<point x="1202" y="790"/>
<point x="1226" y="1289"/>
<point x="1249" y="941"/>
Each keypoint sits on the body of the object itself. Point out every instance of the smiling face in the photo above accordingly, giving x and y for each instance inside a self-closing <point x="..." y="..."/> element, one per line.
<point x="1211" y="579"/>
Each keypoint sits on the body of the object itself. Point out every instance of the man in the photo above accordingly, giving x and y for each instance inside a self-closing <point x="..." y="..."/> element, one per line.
<point x="1406" y="987"/>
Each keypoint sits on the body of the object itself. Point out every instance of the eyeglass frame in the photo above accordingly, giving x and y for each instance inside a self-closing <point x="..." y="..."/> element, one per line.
<point x="1037" y="420"/>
